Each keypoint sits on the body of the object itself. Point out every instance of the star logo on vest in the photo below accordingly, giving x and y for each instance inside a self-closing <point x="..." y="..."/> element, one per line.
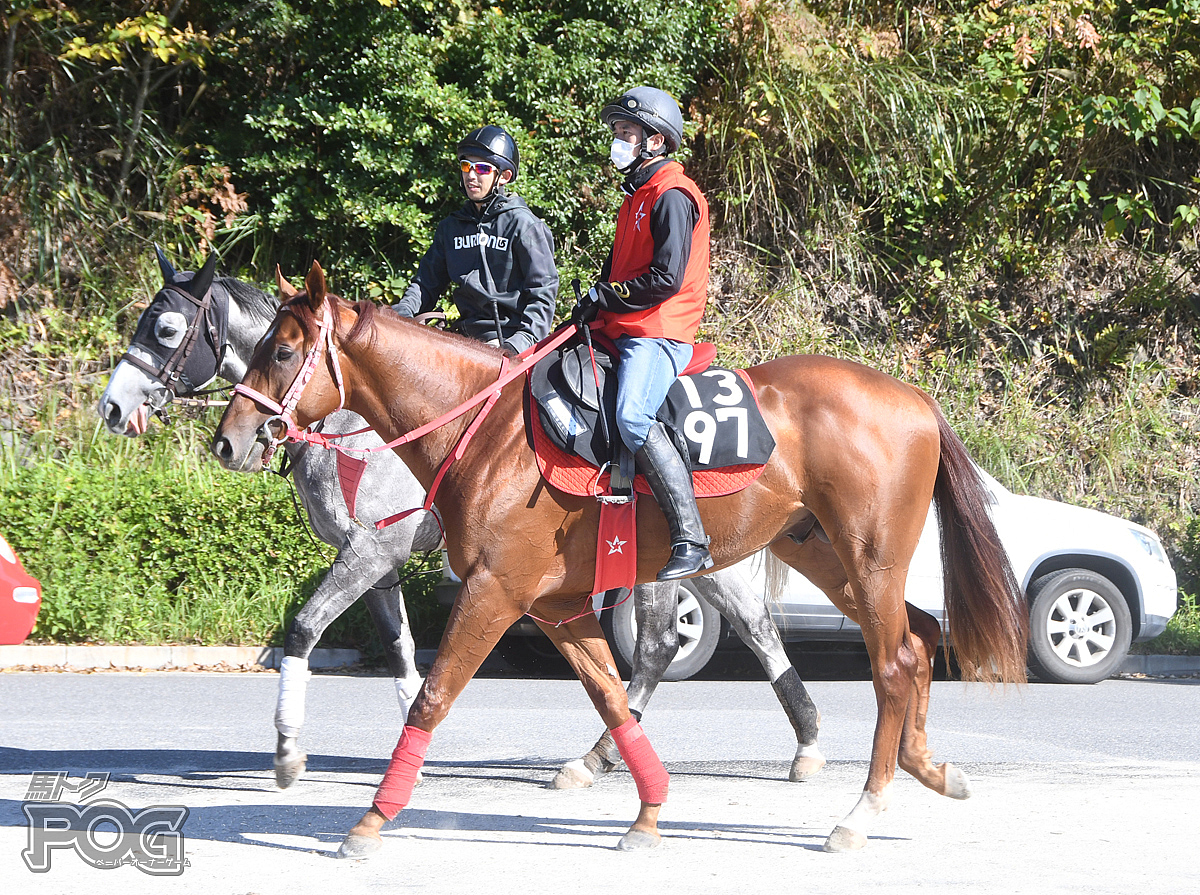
<point x="615" y="545"/>
<point x="637" y="217"/>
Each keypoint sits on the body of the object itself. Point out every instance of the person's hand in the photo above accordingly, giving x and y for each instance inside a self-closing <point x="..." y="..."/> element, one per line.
<point x="585" y="309"/>
<point x="602" y="296"/>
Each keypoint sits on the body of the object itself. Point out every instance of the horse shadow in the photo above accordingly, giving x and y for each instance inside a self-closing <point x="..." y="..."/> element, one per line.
<point x="265" y="825"/>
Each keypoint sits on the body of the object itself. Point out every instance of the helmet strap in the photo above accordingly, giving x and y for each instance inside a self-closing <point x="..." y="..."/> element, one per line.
<point x="646" y="153"/>
<point x="643" y="154"/>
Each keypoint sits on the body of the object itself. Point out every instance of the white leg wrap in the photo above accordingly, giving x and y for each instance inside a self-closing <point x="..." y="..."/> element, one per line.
<point x="809" y="751"/>
<point x="293" y="682"/>
<point x="406" y="692"/>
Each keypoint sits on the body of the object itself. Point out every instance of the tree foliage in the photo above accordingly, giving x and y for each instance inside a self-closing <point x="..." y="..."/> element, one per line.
<point x="341" y="117"/>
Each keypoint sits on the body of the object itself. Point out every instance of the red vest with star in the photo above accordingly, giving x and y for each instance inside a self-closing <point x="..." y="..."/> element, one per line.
<point x="633" y="248"/>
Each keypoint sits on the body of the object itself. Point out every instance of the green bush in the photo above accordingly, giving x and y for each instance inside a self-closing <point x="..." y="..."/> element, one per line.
<point x="173" y="552"/>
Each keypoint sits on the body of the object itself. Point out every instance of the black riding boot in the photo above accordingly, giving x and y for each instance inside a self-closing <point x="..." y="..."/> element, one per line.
<point x="671" y="483"/>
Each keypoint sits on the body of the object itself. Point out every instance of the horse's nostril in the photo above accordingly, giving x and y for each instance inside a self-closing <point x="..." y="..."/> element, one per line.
<point x="221" y="448"/>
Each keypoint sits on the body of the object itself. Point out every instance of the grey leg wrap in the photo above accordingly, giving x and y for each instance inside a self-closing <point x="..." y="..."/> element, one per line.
<point x="798" y="705"/>
<point x="603" y="757"/>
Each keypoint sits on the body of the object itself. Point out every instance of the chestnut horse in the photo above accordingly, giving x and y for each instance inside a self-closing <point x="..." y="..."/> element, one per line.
<point x="858" y="454"/>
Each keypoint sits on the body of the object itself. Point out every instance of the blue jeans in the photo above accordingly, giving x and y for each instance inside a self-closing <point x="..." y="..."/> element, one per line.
<point x="645" y="370"/>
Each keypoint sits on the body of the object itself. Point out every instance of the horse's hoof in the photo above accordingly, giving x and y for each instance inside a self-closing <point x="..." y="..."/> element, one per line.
<point x="354" y="846"/>
<point x="844" y="839"/>
<point x="957" y="784"/>
<point x="288" y="772"/>
<point x="805" y="766"/>
<point x="573" y="775"/>
<point x="638" y="840"/>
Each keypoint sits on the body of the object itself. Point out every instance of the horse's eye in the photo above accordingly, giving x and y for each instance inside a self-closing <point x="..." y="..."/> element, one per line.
<point x="283" y="354"/>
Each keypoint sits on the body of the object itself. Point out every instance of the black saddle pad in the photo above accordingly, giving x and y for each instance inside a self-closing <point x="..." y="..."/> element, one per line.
<point x="714" y="413"/>
<point x="564" y="387"/>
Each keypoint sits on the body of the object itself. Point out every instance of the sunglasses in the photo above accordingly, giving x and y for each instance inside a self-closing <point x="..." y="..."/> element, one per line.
<point x="483" y="169"/>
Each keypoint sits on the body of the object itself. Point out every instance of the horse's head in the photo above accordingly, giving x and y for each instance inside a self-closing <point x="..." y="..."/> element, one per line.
<point x="293" y="378"/>
<point x="175" y="351"/>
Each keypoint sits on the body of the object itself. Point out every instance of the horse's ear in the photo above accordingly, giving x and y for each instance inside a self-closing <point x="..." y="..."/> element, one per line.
<point x="164" y="265"/>
<point x="202" y="281"/>
<point x="286" y="289"/>
<point x="314" y="286"/>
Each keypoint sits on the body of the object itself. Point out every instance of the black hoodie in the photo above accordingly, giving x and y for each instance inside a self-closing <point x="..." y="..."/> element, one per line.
<point x="504" y="255"/>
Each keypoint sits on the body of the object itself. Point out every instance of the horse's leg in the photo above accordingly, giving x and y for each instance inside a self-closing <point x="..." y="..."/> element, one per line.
<point x="582" y="643"/>
<point x="880" y="598"/>
<point x="748" y="614"/>
<point x="871" y="594"/>
<point x="915" y="756"/>
<point x="481" y="614"/>
<point x="385" y="602"/>
<point x="360" y="562"/>
<point x="655" y="649"/>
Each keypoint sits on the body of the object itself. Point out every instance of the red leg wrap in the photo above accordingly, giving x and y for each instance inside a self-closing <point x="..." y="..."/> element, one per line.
<point x="648" y="772"/>
<point x="407" y="758"/>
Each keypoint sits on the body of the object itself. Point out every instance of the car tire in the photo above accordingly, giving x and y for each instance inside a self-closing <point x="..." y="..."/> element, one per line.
<point x="1079" y="627"/>
<point x="533" y="654"/>
<point x="697" y="622"/>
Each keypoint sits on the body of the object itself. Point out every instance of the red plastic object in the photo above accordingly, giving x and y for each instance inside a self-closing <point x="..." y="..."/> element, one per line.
<point x="20" y="597"/>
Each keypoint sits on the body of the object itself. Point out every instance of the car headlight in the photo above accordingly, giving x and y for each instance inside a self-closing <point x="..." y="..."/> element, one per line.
<point x="1150" y="544"/>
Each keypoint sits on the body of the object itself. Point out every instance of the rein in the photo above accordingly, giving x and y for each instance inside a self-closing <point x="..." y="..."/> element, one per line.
<point x="283" y="410"/>
<point x="527" y="360"/>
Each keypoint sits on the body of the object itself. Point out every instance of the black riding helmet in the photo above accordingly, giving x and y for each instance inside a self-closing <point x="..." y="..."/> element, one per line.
<point x="654" y="109"/>
<point x="492" y="144"/>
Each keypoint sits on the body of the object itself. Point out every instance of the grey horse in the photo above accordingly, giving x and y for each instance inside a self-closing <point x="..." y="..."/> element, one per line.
<point x="223" y="331"/>
<point x="368" y="561"/>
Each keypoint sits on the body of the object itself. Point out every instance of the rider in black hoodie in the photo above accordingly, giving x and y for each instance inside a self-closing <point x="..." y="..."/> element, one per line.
<point x="497" y="252"/>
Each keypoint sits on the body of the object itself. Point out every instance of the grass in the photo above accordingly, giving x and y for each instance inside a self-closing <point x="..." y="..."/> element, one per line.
<point x="1182" y="637"/>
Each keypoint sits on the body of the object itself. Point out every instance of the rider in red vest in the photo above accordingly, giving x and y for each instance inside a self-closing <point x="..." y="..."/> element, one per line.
<point x="649" y="301"/>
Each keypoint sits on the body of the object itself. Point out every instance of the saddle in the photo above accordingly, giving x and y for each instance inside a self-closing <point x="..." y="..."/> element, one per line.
<point x="712" y="412"/>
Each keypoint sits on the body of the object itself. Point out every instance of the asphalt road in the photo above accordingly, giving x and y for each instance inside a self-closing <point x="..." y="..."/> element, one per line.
<point x="1075" y="789"/>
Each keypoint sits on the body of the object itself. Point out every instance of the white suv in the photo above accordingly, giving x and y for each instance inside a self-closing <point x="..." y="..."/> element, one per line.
<point x="1095" y="583"/>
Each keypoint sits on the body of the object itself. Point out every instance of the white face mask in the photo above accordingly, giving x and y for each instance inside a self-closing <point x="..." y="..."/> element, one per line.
<point x="623" y="154"/>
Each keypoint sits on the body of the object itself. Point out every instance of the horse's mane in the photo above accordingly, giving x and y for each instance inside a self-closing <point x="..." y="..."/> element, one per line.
<point x="364" y="328"/>
<point x="249" y="298"/>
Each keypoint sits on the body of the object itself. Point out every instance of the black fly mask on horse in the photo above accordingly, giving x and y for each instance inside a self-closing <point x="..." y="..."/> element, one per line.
<point x="183" y="371"/>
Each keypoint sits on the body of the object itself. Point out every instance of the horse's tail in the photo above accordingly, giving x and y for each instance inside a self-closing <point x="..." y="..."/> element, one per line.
<point x="776" y="573"/>
<point x="989" y="623"/>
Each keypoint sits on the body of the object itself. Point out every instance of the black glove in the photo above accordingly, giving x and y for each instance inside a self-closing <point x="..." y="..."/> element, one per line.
<point x="602" y="296"/>
<point x="585" y="310"/>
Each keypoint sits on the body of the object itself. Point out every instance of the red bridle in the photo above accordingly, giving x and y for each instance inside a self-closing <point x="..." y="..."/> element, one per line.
<point x="283" y="410"/>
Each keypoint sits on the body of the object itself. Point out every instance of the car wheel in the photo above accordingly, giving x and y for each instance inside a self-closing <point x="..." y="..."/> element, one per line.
<point x="1079" y="627"/>
<point x="697" y="623"/>
<point x="533" y="654"/>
